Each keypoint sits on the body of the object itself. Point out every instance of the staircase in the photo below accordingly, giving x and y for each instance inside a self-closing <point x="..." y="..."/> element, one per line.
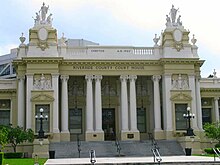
<point x="109" y="149"/>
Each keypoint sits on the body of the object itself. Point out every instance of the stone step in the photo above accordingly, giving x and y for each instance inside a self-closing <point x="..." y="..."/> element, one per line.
<point x="109" y="149"/>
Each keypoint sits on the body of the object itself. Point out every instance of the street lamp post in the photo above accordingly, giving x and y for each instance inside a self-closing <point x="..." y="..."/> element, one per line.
<point x="189" y="116"/>
<point x="41" y="118"/>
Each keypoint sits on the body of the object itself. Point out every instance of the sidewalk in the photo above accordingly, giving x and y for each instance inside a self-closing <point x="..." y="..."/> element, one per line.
<point x="121" y="160"/>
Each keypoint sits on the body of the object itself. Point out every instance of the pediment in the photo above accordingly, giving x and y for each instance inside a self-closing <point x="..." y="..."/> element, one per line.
<point x="42" y="97"/>
<point x="181" y="96"/>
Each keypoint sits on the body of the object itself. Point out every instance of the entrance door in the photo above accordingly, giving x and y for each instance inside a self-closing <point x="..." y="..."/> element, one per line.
<point x="108" y="123"/>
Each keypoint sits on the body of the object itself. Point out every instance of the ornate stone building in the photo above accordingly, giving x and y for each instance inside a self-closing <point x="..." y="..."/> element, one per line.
<point x="104" y="92"/>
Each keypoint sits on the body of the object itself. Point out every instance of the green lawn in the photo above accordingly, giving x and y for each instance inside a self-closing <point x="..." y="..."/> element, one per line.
<point x="23" y="161"/>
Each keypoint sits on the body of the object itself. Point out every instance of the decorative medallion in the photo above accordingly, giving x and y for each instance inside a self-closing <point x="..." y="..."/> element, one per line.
<point x="177" y="35"/>
<point x="42" y="34"/>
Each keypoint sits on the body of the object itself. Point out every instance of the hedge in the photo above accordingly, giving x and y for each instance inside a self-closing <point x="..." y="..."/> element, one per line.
<point x="1" y="158"/>
<point x="10" y="155"/>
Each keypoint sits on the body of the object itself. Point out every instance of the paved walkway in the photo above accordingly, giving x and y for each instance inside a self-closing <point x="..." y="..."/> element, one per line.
<point x="121" y="160"/>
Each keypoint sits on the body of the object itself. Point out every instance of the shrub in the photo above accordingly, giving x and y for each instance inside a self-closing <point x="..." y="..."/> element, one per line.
<point x="10" y="155"/>
<point x="209" y="150"/>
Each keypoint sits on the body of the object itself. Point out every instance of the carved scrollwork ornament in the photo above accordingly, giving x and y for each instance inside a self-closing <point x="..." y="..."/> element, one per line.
<point x="178" y="46"/>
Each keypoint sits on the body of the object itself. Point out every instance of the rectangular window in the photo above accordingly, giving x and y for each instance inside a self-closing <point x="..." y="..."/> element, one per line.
<point x="75" y="120"/>
<point x="141" y="119"/>
<point x="181" y="122"/>
<point x="45" y="122"/>
<point x="206" y="115"/>
<point x="5" y="112"/>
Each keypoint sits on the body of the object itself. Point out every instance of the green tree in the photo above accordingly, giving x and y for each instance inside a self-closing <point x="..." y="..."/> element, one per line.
<point x="17" y="135"/>
<point x="3" y="137"/>
<point x="212" y="130"/>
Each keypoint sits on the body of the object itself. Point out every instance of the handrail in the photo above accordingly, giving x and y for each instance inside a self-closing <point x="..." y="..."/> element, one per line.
<point x="155" y="149"/>
<point x="78" y="145"/>
<point x="217" y="152"/>
<point x="117" y="144"/>
<point x="156" y="155"/>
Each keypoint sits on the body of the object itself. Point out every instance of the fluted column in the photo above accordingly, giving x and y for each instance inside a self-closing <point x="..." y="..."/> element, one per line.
<point x="124" y="103"/>
<point x="89" y="103"/>
<point x="157" y="112"/>
<point x="98" y="103"/>
<point x="29" y="110"/>
<point x="55" y="87"/>
<point x="198" y="104"/>
<point x="216" y="109"/>
<point x="21" y="101"/>
<point x="133" y="103"/>
<point x="64" y="104"/>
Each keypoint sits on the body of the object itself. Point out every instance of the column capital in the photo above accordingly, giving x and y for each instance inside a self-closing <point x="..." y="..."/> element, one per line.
<point x="55" y="75"/>
<point x="89" y="77"/>
<point x="216" y="98"/>
<point x="132" y="77"/>
<point x="97" y="77"/>
<point x="64" y="77"/>
<point x="29" y="75"/>
<point x="156" y="78"/>
<point x="123" y="77"/>
<point x="20" y="77"/>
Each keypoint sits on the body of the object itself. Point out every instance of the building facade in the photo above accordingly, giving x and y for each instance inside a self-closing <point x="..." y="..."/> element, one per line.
<point x="107" y="92"/>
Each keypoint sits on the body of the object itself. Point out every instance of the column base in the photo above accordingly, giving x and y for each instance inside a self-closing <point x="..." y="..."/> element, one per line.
<point x="65" y="136"/>
<point x="94" y="136"/>
<point x="41" y="148"/>
<point x="159" y="134"/>
<point x="193" y="142"/>
<point x="130" y="135"/>
<point x="55" y="137"/>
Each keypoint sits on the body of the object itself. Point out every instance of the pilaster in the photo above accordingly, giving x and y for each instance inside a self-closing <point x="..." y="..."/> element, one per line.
<point x="29" y="87"/>
<point x="21" y="101"/>
<point x="55" y="87"/>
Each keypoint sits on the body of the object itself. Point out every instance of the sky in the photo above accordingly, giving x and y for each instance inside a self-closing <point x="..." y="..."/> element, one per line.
<point x="117" y="22"/>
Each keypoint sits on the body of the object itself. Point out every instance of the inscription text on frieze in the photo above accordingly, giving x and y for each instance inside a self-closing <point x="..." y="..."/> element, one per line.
<point x="106" y="67"/>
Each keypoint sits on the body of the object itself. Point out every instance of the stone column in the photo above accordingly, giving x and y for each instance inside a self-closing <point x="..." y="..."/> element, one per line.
<point x="133" y="108"/>
<point x="21" y="101"/>
<point x="55" y="87"/>
<point x="29" y="87"/>
<point x="167" y="115"/>
<point x="133" y="104"/>
<point x="98" y="108"/>
<point x="157" y="111"/>
<point x="216" y="109"/>
<point x="198" y="104"/>
<point x="89" y="107"/>
<point x="193" y="102"/>
<point x="65" y="135"/>
<point x="124" y="107"/>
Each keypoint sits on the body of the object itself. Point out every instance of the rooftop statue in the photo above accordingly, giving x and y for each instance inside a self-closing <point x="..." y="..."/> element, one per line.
<point x="41" y="16"/>
<point x="171" y="20"/>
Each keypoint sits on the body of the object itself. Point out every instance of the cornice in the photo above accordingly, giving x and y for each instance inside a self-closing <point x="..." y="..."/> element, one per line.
<point x="109" y="62"/>
<point x="195" y="61"/>
<point x="36" y="60"/>
<point x="210" y="89"/>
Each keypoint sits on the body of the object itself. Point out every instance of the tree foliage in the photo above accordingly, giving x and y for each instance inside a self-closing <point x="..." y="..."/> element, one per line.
<point x="17" y="135"/>
<point x="212" y="130"/>
<point x="3" y="136"/>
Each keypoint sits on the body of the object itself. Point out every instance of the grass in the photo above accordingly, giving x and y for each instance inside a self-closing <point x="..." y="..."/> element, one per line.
<point x="23" y="161"/>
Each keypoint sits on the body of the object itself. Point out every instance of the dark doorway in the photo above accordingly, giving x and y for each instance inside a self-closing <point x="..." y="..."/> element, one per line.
<point x="108" y="123"/>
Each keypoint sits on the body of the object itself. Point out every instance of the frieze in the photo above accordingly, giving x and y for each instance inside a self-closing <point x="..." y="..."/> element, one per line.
<point x="108" y="67"/>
